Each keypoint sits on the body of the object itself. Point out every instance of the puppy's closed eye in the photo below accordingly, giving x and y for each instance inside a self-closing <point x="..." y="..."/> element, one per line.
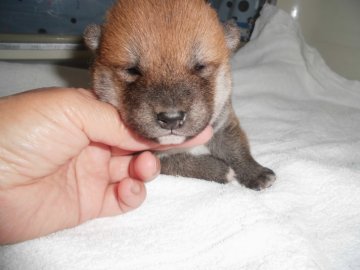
<point x="128" y="74"/>
<point x="199" y="67"/>
<point x="203" y="69"/>
<point x="133" y="71"/>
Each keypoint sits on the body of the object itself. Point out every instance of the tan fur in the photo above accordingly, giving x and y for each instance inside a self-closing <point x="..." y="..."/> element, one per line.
<point x="158" y="31"/>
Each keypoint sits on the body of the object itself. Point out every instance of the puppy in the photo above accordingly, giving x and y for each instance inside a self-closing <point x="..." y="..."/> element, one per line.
<point x="165" y="66"/>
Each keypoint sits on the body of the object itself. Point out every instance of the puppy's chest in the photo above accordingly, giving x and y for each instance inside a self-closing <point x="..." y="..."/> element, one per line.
<point x="193" y="151"/>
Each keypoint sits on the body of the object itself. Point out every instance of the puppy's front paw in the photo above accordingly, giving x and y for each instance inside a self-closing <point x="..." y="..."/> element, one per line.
<point x="263" y="179"/>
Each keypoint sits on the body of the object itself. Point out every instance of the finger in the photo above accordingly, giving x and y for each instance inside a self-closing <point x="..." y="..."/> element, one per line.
<point x="119" y="168"/>
<point x="96" y="120"/>
<point x="144" y="167"/>
<point x="101" y="122"/>
<point x="123" y="197"/>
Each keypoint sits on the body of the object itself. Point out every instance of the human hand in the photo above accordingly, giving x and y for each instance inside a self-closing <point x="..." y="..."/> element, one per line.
<point x="66" y="158"/>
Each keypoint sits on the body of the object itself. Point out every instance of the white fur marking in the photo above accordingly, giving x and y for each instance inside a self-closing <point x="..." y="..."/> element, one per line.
<point x="171" y="139"/>
<point x="231" y="176"/>
<point x="222" y="92"/>
<point x="199" y="150"/>
<point x="270" y="182"/>
<point x="195" y="151"/>
<point x="235" y="183"/>
<point x="104" y="87"/>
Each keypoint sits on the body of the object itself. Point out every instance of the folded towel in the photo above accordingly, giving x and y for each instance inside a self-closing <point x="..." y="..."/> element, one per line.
<point x="302" y="121"/>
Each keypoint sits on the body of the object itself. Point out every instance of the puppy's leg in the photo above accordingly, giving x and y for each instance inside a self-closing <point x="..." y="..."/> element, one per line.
<point x="201" y="167"/>
<point x="230" y="145"/>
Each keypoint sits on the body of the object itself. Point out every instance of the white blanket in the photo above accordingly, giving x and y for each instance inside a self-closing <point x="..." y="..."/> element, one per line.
<point x="302" y="121"/>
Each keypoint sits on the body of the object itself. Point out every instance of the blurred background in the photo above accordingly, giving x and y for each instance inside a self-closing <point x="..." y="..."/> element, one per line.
<point x="44" y="30"/>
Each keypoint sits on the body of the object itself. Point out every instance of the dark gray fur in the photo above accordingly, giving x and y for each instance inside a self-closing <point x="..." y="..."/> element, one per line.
<point x="228" y="149"/>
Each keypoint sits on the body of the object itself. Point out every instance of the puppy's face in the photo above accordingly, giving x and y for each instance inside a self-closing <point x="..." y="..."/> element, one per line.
<point x="163" y="65"/>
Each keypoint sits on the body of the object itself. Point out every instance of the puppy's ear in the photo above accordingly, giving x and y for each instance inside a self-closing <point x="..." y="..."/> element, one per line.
<point x="92" y="36"/>
<point x="232" y="35"/>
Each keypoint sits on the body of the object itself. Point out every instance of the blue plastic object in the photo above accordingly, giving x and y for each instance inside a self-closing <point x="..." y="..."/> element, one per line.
<point x="55" y="17"/>
<point x="65" y="17"/>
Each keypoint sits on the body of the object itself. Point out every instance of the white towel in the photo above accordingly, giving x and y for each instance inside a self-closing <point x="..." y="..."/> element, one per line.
<point x="302" y="121"/>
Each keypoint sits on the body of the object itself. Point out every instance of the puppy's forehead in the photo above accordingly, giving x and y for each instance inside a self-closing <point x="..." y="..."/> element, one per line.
<point x="157" y="31"/>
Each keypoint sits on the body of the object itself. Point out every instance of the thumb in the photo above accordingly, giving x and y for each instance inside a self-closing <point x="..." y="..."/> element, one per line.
<point x="101" y="123"/>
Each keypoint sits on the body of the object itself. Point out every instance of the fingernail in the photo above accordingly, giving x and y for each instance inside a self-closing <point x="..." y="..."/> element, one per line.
<point x="158" y="168"/>
<point x="135" y="187"/>
<point x="158" y="165"/>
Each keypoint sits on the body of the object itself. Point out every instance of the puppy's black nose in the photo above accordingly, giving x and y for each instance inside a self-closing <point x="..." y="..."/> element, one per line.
<point x="171" y="120"/>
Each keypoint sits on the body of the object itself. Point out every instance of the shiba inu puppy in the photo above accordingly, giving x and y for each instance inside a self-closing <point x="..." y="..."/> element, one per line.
<point x="165" y="66"/>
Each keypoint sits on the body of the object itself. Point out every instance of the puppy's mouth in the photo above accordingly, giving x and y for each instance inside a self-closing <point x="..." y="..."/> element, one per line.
<point x="176" y="136"/>
<point x="173" y="136"/>
<point x="171" y="139"/>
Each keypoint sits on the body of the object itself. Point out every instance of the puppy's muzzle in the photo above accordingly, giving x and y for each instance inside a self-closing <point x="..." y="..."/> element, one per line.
<point x="171" y="120"/>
